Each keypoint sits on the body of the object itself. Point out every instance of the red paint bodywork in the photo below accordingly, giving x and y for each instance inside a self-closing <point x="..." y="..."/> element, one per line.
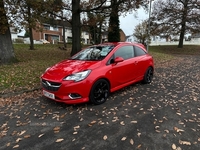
<point x="118" y="75"/>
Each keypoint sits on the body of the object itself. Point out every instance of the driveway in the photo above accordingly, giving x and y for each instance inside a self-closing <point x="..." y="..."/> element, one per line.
<point x="163" y="115"/>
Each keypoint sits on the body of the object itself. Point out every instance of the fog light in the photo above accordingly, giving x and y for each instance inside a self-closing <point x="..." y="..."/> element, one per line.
<point x="74" y="96"/>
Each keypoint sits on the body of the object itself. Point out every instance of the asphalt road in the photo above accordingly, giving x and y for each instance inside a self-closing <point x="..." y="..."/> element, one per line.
<point x="163" y="115"/>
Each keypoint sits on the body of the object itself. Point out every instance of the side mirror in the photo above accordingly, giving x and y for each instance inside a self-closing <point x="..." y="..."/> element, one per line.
<point x="118" y="59"/>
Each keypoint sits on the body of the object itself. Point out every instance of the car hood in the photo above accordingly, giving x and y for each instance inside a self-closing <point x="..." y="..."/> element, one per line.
<point x="68" y="67"/>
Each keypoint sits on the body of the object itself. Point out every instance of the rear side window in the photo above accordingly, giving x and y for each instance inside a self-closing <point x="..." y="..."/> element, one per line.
<point x="139" y="51"/>
<point x="125" y="52"/>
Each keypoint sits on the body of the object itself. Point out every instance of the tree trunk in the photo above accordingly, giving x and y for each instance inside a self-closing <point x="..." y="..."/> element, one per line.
<point x="6" y="46"/>
<point x="100" y="33"/>
<point x="64" y="37"/>
<point x="31" y="39"/>
<point x="181" y="38"/>
<point x="76" y="28"/>
<point x="183" y="25"/>
<point x="113" y="31"/>
<point x="30" y="29"/>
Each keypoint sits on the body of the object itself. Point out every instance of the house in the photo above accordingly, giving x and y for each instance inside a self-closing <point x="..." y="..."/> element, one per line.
<point x="130" y="38"/>
<point x="54" y="33"/>
<point x="195" y="37"/>
<point x="13" y="33"/>
<point x="104" y="37"/>
<point x="122" y="36"/>
<point x="48" y="32"/>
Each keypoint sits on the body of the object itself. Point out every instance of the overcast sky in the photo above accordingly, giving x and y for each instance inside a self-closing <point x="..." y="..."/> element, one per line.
<point x="128" y="22"/>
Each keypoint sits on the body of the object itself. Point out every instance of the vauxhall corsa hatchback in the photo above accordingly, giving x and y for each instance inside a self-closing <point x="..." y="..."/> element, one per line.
<point x="94" y="72"/>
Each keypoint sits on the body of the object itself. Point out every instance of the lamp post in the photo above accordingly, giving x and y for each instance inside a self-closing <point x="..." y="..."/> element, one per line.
<point x="148" y="30"/>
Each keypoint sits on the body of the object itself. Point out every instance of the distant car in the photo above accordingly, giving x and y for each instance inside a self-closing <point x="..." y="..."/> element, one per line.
<point x="94" y="72"/>
<point x="44" y="41"/>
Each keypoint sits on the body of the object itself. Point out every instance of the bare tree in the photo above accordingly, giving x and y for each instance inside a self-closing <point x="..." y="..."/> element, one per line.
<point x="176" y="17"/>
<point x="141" y="33"/>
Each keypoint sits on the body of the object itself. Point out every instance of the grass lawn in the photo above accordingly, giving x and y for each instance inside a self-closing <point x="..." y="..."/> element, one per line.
<point x="25" y="75"/>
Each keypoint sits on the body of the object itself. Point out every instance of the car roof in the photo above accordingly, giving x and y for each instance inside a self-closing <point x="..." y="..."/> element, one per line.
<point x="118" y="43"/>
<point x="121" y="43"/>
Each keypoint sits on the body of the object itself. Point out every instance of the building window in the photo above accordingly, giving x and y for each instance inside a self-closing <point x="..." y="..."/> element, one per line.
<point x="55" y="28"/>
<point x="46" y="27"/>
<point x="55" y="37"/>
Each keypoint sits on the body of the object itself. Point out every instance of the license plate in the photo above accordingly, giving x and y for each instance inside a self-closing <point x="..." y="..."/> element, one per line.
<point x="49" y="95"/>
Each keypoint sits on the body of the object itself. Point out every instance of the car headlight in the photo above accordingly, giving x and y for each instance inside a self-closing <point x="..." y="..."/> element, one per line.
<point x="78" y="76"/>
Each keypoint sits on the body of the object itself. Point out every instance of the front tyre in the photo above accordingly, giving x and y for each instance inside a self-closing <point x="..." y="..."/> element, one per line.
<point x="148" y="76"/>
<point x="99" y="92"/>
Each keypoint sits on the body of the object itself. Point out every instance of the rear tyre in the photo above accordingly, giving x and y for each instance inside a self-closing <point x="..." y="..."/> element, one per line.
<point x="148" y="76"/>
<point x="99" y="92"/>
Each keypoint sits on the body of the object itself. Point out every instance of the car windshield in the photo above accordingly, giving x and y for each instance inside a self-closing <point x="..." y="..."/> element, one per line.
<point x="94" y="53"/>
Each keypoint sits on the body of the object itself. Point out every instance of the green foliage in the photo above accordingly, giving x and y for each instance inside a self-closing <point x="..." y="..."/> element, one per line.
<point x="113" y="32"/>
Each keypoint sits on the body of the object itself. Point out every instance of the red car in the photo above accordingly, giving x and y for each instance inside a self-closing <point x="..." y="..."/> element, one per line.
<point x="94" y="72"/>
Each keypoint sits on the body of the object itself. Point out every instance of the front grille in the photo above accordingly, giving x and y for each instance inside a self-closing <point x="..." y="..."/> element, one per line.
<point x="50" y="86"/>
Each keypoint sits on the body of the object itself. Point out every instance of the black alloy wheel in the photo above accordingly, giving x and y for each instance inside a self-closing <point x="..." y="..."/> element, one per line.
<point x="99" y="92"/>
<point x="148" y="76"/>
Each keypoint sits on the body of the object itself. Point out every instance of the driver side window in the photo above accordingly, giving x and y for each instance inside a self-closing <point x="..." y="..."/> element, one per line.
<point x="125" y="52"/>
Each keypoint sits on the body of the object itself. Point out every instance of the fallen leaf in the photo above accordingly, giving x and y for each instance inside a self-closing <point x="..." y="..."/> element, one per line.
<point x="92" y="123"/>
<point x="75" y="133"/>
<point x="57" y="131"/>
<point x="73" y="140"/>
<point x="133" y="121"/>
<point x="184" y="142"/>
<point x="16" y="146"/>
<point x="56" y="128"/>
<point x="59" y="140"/>
<point x="138" y="134"/>
<point x="122" y="123"/>
<point x="173" y="146"/>
<point x="190" y="120"/>
<point x="76" y="127"/>
<point x="131" y="141"/>
<point x="8" y="144"/>
<point x="178" y="130"/>
<point x="62" y="116"/>
<point x="21" y="133"/>
<point x="123" y="139"/>
<point x="105" y="137"/>
<point x="167" y="131"/>
<point x="19" y="139"/>
<point x="27" y="136"/>
<point x="40" y="135"/>
<point x="178" y="148"/>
